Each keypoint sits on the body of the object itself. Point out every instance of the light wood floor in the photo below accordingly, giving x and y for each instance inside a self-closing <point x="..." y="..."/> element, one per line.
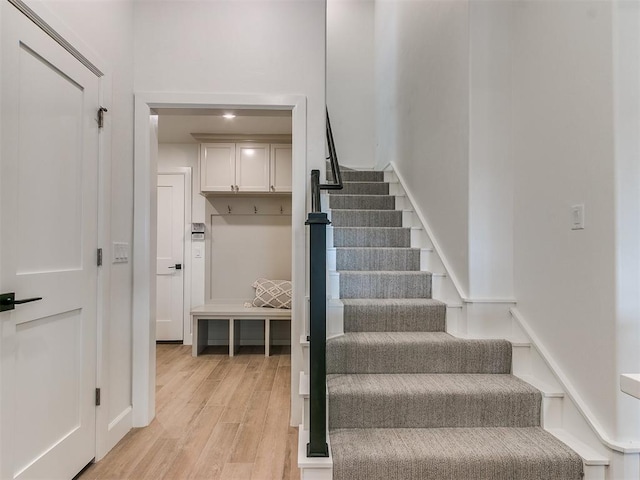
<point x="216" y="418"/>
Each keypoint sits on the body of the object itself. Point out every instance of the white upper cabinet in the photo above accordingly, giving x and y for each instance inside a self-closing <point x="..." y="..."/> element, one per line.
<point x="252" y="167"/>
<point x="218" y="167"/>
<point x="280" y="177"/>
<point x="245" y="167"/>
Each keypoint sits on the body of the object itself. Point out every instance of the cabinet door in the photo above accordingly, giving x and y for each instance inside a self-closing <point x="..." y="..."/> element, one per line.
<point x="217" y="167"/>
<point x="252" y="167"/>
<point x="280" y="180"/>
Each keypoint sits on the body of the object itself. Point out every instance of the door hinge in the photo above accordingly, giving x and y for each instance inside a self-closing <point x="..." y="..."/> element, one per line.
<point x="99" y="257"/>
<point x="101" y="112"/>
<point x="97" y="397"/>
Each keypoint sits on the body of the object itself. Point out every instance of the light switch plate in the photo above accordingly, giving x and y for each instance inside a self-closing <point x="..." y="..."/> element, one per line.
<point x="120" y="252"/>
<point x="577" y="217"/>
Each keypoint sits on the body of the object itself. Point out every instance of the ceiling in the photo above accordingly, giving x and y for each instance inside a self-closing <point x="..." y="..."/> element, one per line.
<point x="175" y="125"/>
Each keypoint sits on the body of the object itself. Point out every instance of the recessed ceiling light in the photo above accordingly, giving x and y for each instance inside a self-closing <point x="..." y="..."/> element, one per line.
<point x="229" y="116"/>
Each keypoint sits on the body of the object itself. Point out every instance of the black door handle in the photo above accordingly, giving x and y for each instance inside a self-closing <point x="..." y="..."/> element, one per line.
<point x="178" y="266"/>
<point x="8" y="301"/>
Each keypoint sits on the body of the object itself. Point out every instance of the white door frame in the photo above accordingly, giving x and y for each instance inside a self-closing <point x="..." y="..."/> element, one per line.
<point x="187" y="254"/>
<point x="144" y="224"/>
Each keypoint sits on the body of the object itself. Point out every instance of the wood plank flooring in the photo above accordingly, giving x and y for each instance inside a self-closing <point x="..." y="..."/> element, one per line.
<point x="216" y="418"/>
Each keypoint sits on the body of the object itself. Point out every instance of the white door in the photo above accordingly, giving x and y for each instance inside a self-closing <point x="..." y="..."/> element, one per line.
<point x="48" y="244"/>
<point x="169" y="271"/>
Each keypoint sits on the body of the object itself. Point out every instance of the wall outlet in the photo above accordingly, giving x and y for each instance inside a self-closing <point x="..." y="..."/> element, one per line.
<point x="577" y="217"/>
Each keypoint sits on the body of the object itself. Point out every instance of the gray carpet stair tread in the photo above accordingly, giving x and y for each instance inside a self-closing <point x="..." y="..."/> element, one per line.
<point x="416" y="352"/>
<point x="366" y="218"/>
<point x="365" y="188"/>
<point x="431" y="401"/>
<point x="385" y="284"/>
<point x="393" y="302"/>
<point x="362" y="202"/>
<point x="498" y="453"/>
<point x="378" y="258"/>
<point x="371" y="236"/>
<point x="363" y="176"/>
<point x="393" y="315"/>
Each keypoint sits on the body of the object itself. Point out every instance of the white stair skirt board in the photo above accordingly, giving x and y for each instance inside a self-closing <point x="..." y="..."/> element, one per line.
<point x="312" y="468"/>
<point x="335" y="317"/>
<point x="630" y="384"/>
<point x="304" y="343"/>
<point x="577" y="420"/>
<point x="419" y="238"/>
<point x="333" y="289"/>
<point x="303" y="391"/>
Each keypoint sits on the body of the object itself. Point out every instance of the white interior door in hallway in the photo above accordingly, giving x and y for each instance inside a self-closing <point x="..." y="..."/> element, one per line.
<point x="170" y="257"/>
<point x="48" y="244"/>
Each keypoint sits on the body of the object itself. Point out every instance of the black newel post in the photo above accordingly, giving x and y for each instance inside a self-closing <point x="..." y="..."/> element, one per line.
<point x="317" y="446"/>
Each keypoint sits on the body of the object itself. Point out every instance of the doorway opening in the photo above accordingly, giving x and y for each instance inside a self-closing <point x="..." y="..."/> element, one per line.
<point x="223" y="215"/>
<point x="147" y="155"/>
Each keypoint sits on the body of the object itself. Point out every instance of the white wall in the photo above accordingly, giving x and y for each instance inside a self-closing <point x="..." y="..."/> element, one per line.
<point x="429" y="114"/>
<point x="563" y="155"/>
<point x="490" y="161"/>
<point x="350" y="80"/>
<point x="385" y="68"/>
<point x="250" y="47"/>
<point x="627" y="189"/>
<point x="103" y="30"/>
<point x="501" y="116"/>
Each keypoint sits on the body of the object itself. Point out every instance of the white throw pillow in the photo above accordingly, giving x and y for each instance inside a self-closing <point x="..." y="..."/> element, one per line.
<point x="272" y="293"/>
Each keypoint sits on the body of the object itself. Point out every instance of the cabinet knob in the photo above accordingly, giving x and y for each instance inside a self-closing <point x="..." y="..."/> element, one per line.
<point x="232" y="188"/>
<point x="237" y="188"/>
<point x="272" y="188"/>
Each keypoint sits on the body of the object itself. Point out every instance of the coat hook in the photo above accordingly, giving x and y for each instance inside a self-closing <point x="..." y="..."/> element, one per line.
<point x="255" y="209"/>
<point x="229" y="209"/>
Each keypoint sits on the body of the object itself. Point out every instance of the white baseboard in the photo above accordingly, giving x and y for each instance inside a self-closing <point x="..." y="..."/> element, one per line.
<point x="117" y="429"/>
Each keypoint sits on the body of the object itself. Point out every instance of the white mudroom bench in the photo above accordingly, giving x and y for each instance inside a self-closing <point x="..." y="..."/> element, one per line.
<point x="232" y="312"/>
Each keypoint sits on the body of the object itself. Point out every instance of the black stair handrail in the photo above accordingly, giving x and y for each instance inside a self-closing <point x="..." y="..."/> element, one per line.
<point x="318" y="221"/>
<point x="336" y="174"/>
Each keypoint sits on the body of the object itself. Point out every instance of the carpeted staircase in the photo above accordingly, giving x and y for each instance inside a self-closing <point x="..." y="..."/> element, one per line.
<point x="408" y="401"/>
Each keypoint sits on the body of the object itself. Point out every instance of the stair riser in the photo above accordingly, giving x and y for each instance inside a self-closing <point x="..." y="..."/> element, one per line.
<point x="364" y="218"/>
<point x="363" y="188"/>
<point x="362" y="176"/>
<point x="439" y="410"/>
<point x="371" y="260"/>
<point x="362" y="202"/>
<point x="417" y="358"/>
<point x="394" y="319"/>
<point x="360" y="237"/>
<point x="377" y="285"/>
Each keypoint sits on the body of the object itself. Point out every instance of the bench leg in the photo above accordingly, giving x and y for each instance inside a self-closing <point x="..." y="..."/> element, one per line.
<point x="200" y="329"/>
<point x="267" y="336"/>
<point x="194" y="337"/>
